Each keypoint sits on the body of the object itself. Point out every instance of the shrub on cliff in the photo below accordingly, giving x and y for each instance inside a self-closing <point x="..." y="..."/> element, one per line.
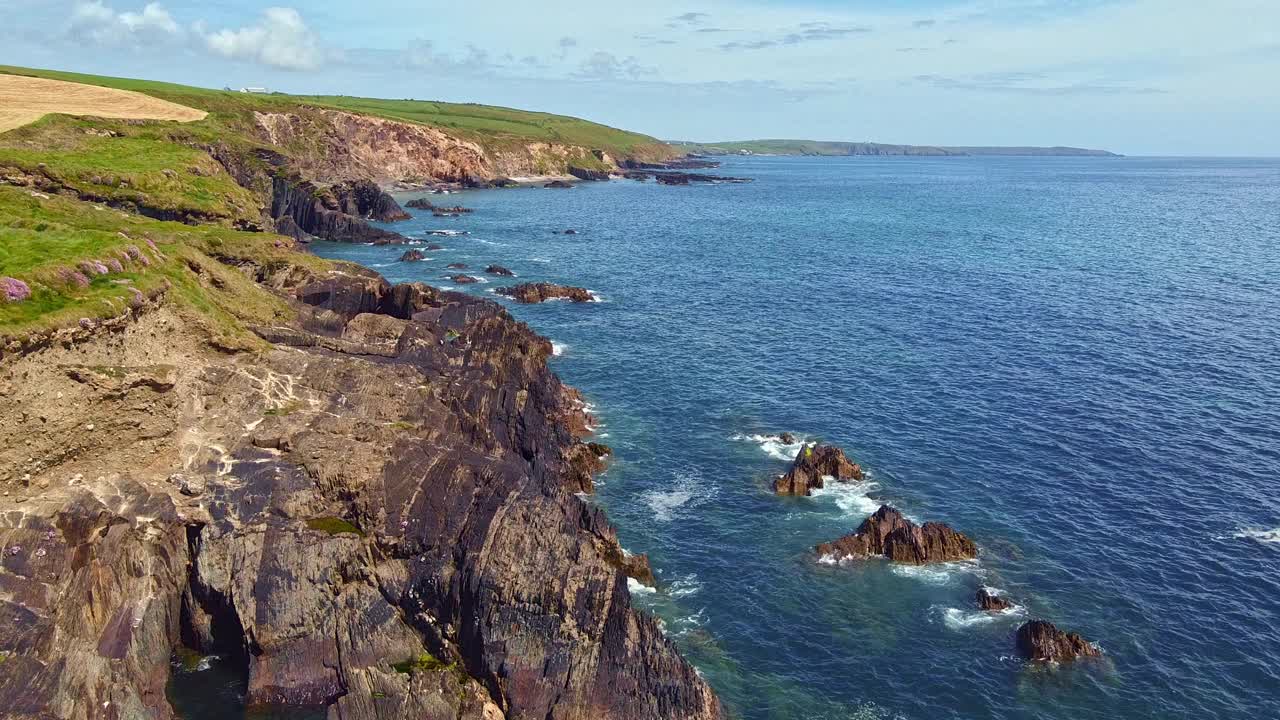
<point x="13" y="290"/>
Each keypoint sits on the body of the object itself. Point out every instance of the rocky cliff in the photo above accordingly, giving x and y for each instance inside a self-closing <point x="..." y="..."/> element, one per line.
<point x="331" y="146"/>
<point x="376" y="505"/>
<point x="366" y="497"/>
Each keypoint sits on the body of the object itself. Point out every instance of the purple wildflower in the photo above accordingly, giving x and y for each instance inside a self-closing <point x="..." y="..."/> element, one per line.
<point x="134" y="252"/>
<point x="115" y="265"/>
<point x="86" y="323"/>
<point x="13" y="290"/>
<point x="138" y="298"/>
<point x="93" y="267"/>
<point x="73" y="278"/>
<point x="151" y="244"/>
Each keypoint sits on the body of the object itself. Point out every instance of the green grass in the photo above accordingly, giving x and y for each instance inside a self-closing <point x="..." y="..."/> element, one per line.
<point x="146" y="166"/>
<point x="333" y="526"/>
<point x="39" y="236"/>
<point x="422" y="663"/>
<point x="491" y="126"/>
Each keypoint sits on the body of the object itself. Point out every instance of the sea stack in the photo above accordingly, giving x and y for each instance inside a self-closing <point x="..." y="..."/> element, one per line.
<point x="541" y="292"/>
<point x="890" y="535"/>
<point x="814" y="463"/>
<point x="1041" y="641"/>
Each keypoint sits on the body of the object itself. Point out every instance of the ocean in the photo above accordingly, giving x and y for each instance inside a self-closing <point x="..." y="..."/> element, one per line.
<point x="1076" y="362"/>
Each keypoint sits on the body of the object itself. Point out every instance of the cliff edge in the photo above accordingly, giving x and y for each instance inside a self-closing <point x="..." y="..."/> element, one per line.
<point x="365" y="496"/>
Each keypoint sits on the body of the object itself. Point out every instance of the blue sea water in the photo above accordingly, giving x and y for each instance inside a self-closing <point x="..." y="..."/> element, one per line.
<point x="1074" y="361"/>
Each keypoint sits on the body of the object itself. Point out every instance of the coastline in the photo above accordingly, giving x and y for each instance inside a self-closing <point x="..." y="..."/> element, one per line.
<point x="359" y="495"/>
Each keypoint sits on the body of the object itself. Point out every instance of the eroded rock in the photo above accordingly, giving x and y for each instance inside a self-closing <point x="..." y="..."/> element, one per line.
<point x="541" y="292"/>
<point x="991" y="602"/>
<point x="1041" y="641"/>
<point x="887" y="533"/>
<point x="813" y="464"/>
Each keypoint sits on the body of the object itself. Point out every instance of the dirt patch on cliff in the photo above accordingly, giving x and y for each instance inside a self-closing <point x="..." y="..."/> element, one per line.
<point x="26" y="99"/>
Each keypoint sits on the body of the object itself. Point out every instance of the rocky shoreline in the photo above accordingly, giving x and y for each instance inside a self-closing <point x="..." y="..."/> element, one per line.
<point x="371" y="507"/>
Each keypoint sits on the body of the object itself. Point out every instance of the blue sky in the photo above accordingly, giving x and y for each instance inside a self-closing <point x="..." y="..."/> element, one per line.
<point x="1134" y="76"/>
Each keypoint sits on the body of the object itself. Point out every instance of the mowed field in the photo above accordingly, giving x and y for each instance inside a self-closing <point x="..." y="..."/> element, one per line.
<point x="27" y="99"/>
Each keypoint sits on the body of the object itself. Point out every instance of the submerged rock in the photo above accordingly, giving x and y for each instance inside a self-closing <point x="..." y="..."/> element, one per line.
<point x="434" y="246"/>
<point x="412" y="256"/>
<point x="457" y="266"/>
<point x="541" y="292"/>
<point x="463" y="279"/>
<point x="420" y="204"/>
<point x="990" y="601"/>
<point x="570" y="232"/>
<point x="787" y="438"/>
<point x="1041" y="641"/>
<point x="499" y="270"/>
<point x="558" y="184"/>
<point x="812" y="464"/>
<point x="887" y="533"/>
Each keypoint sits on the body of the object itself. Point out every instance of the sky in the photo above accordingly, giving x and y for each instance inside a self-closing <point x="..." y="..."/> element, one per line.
<point x="1139" y="77"/>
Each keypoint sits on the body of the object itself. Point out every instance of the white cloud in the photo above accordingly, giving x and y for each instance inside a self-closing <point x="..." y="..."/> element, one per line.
<point x="607" y="66"/>
<point x="281" y="39"/>
<point x="95" y="22"/>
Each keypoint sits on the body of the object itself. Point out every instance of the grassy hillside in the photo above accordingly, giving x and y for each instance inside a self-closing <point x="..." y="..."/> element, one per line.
<point x="831" y="148"/>
<point x="488" y="125"/>
<point x="83" y="263"/>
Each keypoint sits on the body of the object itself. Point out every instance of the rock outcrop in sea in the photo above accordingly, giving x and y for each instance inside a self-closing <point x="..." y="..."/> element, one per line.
<point x="412" y="256"/>
<point x="499" y="270"/>
<point x="1041" y="641"/>
<point x="990" y="601"/>
<point x="888" y="534"/>
<point x="541" y="292"/>
<point x="813" y="464"/>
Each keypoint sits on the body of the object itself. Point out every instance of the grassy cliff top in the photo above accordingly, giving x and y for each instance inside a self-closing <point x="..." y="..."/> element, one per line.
<point x="488" y="125"/>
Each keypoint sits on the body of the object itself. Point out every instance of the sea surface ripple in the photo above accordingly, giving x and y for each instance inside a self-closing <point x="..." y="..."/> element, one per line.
<point x="1074" y="361"/>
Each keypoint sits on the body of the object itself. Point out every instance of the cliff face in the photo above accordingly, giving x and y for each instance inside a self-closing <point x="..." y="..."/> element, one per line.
<point x="376" y="512"/>
<point x="366" y="497"/>
<point x="330" y="146"/>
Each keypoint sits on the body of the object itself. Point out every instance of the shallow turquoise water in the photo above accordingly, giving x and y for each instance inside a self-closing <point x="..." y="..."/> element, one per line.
<point x="1075" y="361"/>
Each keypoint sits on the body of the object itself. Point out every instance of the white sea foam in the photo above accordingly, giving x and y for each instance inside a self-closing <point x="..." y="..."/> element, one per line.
<point x="962" y="619"/>
<point x="773" y="445"/>
<point x="540" y="259"/>
<point x="448" y="233"/>
<point x="688" y="490"/>
<point x="638" y="588"/>
<point x="851" y="497"/>
<point x="684" y="586"/>
<point x="557" y="349"/>
<point x="1266" y="536"/>
<point x="937" y="574"/>
<point x="490" y="242"/>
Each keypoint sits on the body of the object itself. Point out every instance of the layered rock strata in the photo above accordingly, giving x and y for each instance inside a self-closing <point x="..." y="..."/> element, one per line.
<point x="375" y="512"/>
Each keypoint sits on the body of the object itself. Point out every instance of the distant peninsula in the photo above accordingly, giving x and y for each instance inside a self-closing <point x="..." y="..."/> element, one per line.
<point x="821" y="147"/>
